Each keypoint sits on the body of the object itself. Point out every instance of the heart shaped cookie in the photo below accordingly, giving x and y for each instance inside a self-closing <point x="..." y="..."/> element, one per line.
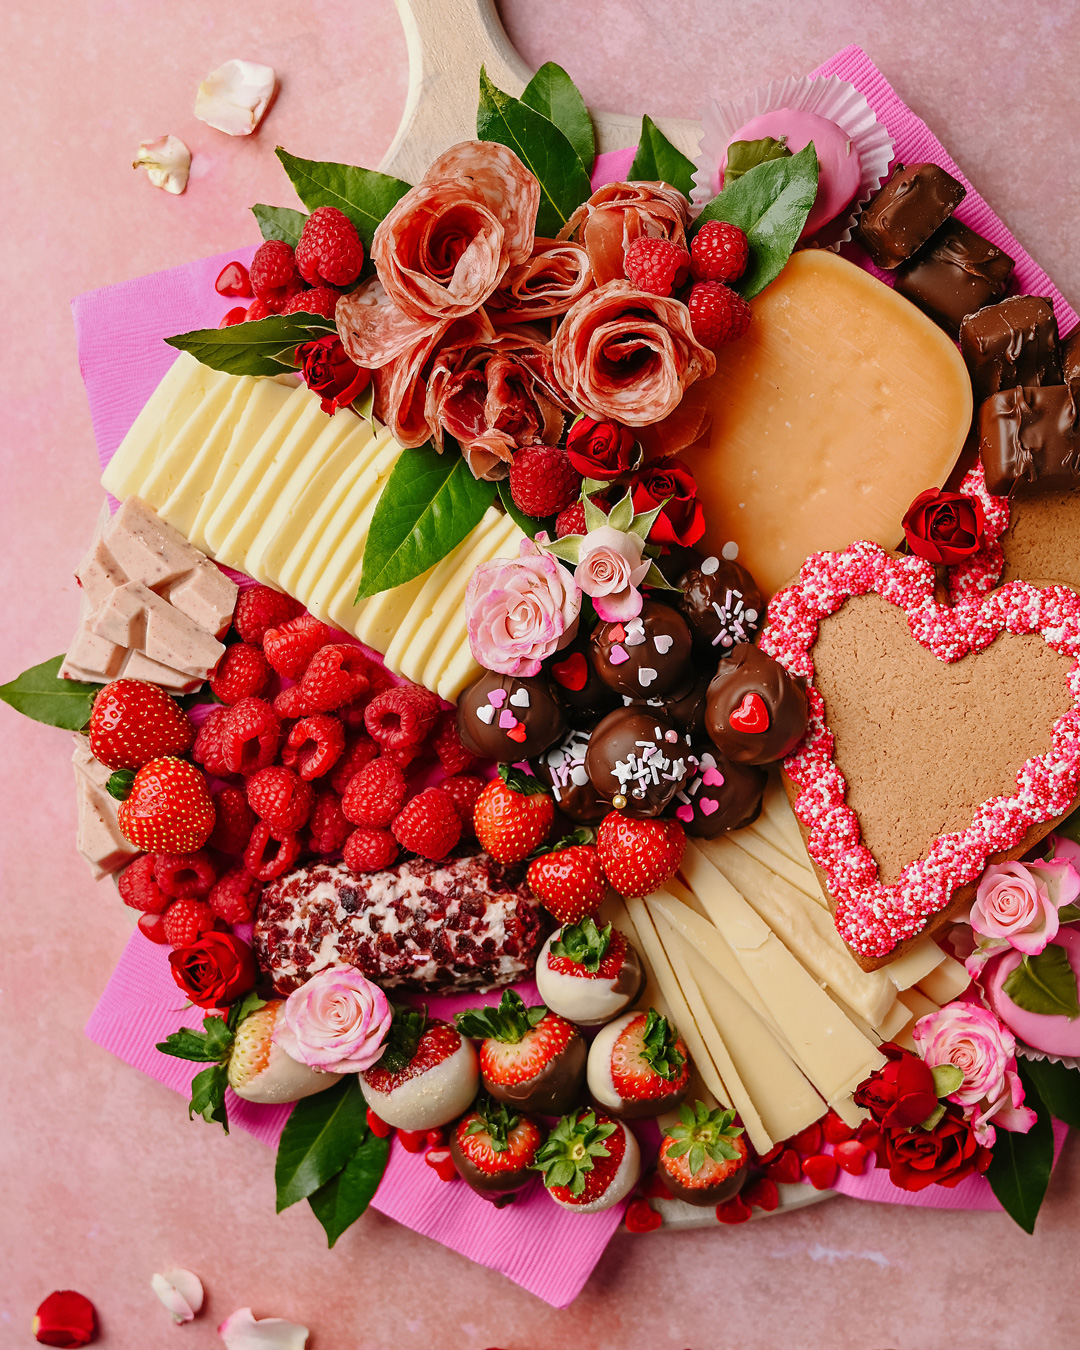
<point x="940" y="739"/>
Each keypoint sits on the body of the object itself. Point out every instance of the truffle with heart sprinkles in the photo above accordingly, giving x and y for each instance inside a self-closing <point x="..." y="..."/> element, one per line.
<point x="509" y="717"/>
<point x="756" y="712"/>
<point x="578" y="687"/>
<point x="644" y="658"/>
<point x="638" y="762"/>
<point x="721" y="795"/>
<point x="562" y="768"/>
<point x="722" y="605"/>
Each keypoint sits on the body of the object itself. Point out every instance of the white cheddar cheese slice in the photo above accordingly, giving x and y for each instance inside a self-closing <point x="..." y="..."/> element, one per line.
<point x="759" y="846"/>
<point x="376" y="621"/>
<point x="946" y="982"/>
<point x="207" y="430"/>
<point x="917" y="1003"/>
<point x="916" y="963"/>
<point x="894" y="1021"/>
<point x="614" y="911"/>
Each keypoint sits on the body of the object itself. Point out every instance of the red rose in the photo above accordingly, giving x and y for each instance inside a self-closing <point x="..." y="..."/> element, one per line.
<point x="944" y="527"/>
<point x="329" y="372"/>
<point x="215" y="970"/>
<point x="682" y="520"/>
<point x="601" y="449"/>
<point x="902" y="1093"/>
<point x="944" y="1155"/>
<point x="65" y="1318"/>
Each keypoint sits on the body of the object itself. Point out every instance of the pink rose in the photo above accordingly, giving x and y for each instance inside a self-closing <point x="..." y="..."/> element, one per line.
<point x="1017" y="906"/>
<point x="337" y="1021"/>
<point x="610" y="567"/>
<point x="520" y="611"/>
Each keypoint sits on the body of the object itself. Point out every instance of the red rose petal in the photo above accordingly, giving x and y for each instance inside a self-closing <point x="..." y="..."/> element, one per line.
<point x="809" y="1140"/>
<point x="835" y="1130"/>
<point x="820" y="1171"/>
<point x="65" y="1318"/>
<point x="851" y="1156"/>
<point x="763" y="1193"/>
<point x="735" y="1210"/>
<point x="785" y="1168"/>
<point x="442" y="1163"/>
<point x="641" y="1217"/>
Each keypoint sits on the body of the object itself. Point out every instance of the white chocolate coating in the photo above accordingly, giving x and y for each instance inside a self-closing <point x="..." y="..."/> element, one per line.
<point x="598" y="1069"/>
<point x="622" y="1183"/>
<point x="588" y="1002"/>
<point x="430" y="1099"/>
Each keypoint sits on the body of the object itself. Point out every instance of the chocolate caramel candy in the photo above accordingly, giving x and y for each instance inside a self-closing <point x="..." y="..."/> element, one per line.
<point x="956" y="273"/>
<point x="1070" y="361"/>
<point x="509" y="717"/>
<point x="645" y="657"/>
<point x="721" y="603"/>
<point x="1014" y="342"/>
<point x="756" y="711"/>
<point x="1029" y="440"/>
<point x="912" y="206"/>
<point x="638" y="761"/>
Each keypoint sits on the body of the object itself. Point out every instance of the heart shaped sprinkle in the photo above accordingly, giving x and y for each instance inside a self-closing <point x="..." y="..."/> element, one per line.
<point x="709" y="805"/>
<point x="712" y="777"/>
<point x="635" y="636"/>
<point x="820" y="1171"/>
<point x="617" y="634"/>
<point x="646" y="675"/>
<point x="641" y="1217"/>
<point x="618" y="655"/>
<point x="486" y="714"/>
<point x="507" y="719"/>
<point x="709" y="566"/>
<point x="518" y="733"/>
<point x="497" y="698"/>
<point x="519" y="698"/>
<point x="751" y="715"/>
<point x="851" y="1156"/>
<point x="573" y="673"/>
<point x="707" y="760"/>
<point x="685" y="813"/>
<point x="662" y="642"/>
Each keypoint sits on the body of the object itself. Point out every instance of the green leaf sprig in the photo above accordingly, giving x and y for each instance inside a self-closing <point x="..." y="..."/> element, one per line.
<point x="259" y="347"/>
<point x="510" y="1022"/>
<point x="279" y="222"/>
<point x="584" y="944"/>
<point x="660" y="1048"/>
<point x="213" y="1045"/>
<point x="554" y="94"/>
<point x="566" y="1155"/>
<point x="657" y="160"/>
<point x="1045" y="983"/>
<point x="40" y="693"/>
<point x="703" y="1133"/>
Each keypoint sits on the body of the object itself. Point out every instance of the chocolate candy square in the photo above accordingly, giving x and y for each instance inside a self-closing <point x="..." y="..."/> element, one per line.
<point x="1014" y="342"/>
<point x="1029" y="440"/>
<point x="957" y="273"/>
<point x="1070" y="361"/>
<point x="911" y="207"/>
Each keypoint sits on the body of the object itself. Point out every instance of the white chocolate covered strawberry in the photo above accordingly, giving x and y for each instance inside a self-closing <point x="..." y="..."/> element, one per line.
<point x="589" y="1161"/>
<point x="260" y="1071"/>
<point x="589" y="974"/>
<point x="427" y="1076"/>
<point x="638" y="1066"/>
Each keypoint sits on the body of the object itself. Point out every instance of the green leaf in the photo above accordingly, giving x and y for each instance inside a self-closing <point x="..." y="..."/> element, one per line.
<point x="404" y="1035"/>
<point x="319" y="1138"/>
<point x="208" y="1096"/>
<point x="621" y="515"/>
<point x="742" y="156"/>
<point x="1045" y="984"/>
<point x="364" y="195"/>
<point x="1068" y="913"/>
<point x="428" y="506"/>
<point x="554" y="94"/>
<point x="340" y="1201"/>
<point x="279" y="222"/>
<point x="1059" y="1088"/>
<point x="584" y="943"/>
<point x="947" y="1078"/>
<point x="41" y="694"/>
<point x="120" y="783"/>
<point x="530" y="525"/>
<point x="261" y="347"/>
<point x="659" y="1047"/>
<point x="770" y="205"/>
<point x="568" y="548"/>
<point x="509" y="1022"/>
<point x="188" y="1044"/>
<point x="541" y="147"/>
<point x="657" y="158"/>
<point x="932" y="1119"/>
<point x="250" y="1003"/>
<point x="1019" y="1171"/>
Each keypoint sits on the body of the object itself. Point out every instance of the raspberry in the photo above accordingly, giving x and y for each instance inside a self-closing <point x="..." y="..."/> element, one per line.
<point x="242" y="672"/>
<point x="250" y="731"/>
<point x="379" y="679"/>
<point x="259" y="608"/>
<point x="543" y="482"/>
<point x="280" y="798"/>
<point x="719" y="252"/>
<point x="233" y="280"/>
<point x="463" y="790"/>
<point x="359" y="751"/>
<point x="429" y="824"/>
<point x="329" y="252"/>
<point x="186" y="921"/>
<point x="319" y="300"/>
<point x="656" y="265"/>
<point x="369" y="850"/>
<point x="327" y="827"/>
<point x="336" y="674"/>
<point x="375" y="795"/>
<point x="207" y="749"/>
<point x="185" y="876"/>
<point x="139" y="888"/>
<point x="717" y="314"/>
<point x="266" y="857"/>
<point x="314" y="745"/>
<point x="273" y="274"/>
<point x="233" y="316"/>
<point x="290" y="703"/>
<point x="153" y="927"/>
<point x="572" y="520"/>
<point x="234" y="821"/>
<point x="401" y="755"/>
<point x="447" y="745"/>
<point x="235" y="896"/>
<point x="402" y="716"/>
<point x="291" y="645"/>
<point x="258" y="309"/>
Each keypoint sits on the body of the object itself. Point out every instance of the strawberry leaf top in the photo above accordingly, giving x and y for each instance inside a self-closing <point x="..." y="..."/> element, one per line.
<point x="213" y="1045"/>
<point x="568" y="1152"/>
<point x="660" y="1048"/>
<point x="584" y="944"/>
<point x="510" y="1022"/>
<point x="403" y="1038"/>
<point x="496" y="1120"/>
<point x="702" y="1134"/>
<point x="519" y="781"/>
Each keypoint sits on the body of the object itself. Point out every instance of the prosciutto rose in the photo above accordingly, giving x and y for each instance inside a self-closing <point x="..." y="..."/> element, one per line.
<point x="623" y="354"/>
<point x="617" y="214"/>
<point x="545" y="285"/>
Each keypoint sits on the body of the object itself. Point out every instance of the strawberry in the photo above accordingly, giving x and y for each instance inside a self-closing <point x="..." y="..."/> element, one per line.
<point x="513" y="815"/>
<point x="589" y="1162"/>
<point x="494" y="1149"/>
<point x="703" y="1158"/>
<point x="530" y="1058"/>
<point x="638" y="1066"/>
<point x="169" y="808"/>
<point x="639" y="855"/>
<point x="569" y="882"/>
<point x="260" y="1071"/>
<point x="426" y="1076"/>
<point x="589" y="974"/>
<point x="133" y="722"/>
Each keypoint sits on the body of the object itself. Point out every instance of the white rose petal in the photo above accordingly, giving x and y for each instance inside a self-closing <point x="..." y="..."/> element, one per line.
<point x="235" y="97"/>
<point x="181" y="1292"/>
<point x="241" y="1331"/>
<point x="167" y="161"/>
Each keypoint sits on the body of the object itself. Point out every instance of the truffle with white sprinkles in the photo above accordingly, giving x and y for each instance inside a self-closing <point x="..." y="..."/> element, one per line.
<point x="722" y="604"/>
<point x="638" y="762"/>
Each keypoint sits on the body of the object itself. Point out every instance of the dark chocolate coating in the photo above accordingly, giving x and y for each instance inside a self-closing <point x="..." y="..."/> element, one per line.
<point x="686" y="708"/>
<point x="641" y="669"/>
<point x="479" y="721"/>
<point x="551" y="1092"/>
<point x="706" y="1196"/>
<point x="562" y="768"/>
<point x="750" y="671"/>
<point x="1014" y="342"/>
<point x="1029" y="440"/>
<point x="912" y="206"/>
<point x="1070" y="361"/>
<point x="575" y="683"/>
<point x="648" y="1108"/>
<point x="622" y="763"/>
<point x="491" y="1185"/>
<point x="722" y="604"/>
<point x="957" y="273"/>
<point x="711" y="809"/>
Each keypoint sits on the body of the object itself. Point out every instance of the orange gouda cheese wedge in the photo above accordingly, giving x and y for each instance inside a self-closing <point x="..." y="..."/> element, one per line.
<point x="841" y="404"/>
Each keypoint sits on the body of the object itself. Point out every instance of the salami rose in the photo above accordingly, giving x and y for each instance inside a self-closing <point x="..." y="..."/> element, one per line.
<point x="544" y="286"/>
<point x="617" y="214"/>
<point x="507" y="186"/>
<point x="372" y="330"/>
<point x="626" y="355"/>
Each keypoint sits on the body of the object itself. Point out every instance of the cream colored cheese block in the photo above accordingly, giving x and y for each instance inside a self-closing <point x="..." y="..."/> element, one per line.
<point x="916" y="963"/>
<point x="206" y="433"/>
<point x="945" y="982"/>
<point x="917" y="1003"/>
<point x="763" y="851"/>
<point x="894" y="1021"/>
<point x="376" y="621"/>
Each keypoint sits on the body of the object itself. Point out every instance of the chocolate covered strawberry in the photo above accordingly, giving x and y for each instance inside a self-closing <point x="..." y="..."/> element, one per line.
<point x="589" y="1161"/>
<point x="494" y="1149"/>
<point x="427" y="1075"/>
<point x="589" y="974"/>
<point x="703" y="1158"/>
<point x="530" y="1058"/>
<point x="638" y="1066"/>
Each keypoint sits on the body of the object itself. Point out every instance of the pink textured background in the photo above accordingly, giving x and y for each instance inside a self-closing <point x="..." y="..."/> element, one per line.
<point x="101" y="1180"/>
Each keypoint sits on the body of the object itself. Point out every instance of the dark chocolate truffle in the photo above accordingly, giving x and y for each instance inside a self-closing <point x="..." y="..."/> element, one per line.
<point x="637" y="761"/>
<point x="685" y="707"/>
<point x="562" y="767"/>
<point x="1070" y="361"/>
<point x="956" y="273"/>
<point x="643" y="658"/>
<point x="721" y="795"/>
<point x="509" y="717"/>
<point x="912" y="206"/>
<point x="1014" y="342"/>
<point x="578" y="687"/>
<point x="722" y="605"/>
<point x="756" y="711"/>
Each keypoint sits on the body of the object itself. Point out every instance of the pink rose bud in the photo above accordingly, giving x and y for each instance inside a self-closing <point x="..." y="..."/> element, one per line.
<point x="337" y="1021"/>
<point x="609" y="570"/>
<point x="520" y="611"/>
